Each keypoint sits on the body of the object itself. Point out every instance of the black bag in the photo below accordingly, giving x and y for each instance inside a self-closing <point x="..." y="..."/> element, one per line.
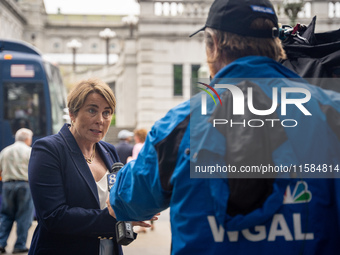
<point x="314" y="55"/>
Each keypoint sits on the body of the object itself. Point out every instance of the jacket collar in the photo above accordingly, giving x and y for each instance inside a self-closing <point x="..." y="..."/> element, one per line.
<point x="79" y="161"/>
<point x="69" y="139"/>
<point x="74" y="148"/>
<point x="255" y="67"/>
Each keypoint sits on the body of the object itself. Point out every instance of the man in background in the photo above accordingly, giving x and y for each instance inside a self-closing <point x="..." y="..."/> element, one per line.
<point x="17" y="204"/>
<point x="124" y="148"/>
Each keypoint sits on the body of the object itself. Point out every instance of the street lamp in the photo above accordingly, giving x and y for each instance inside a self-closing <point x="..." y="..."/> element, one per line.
<point x="74" y="45"/>
<point x="131" y="21"/>
<point x="107" y="34"/>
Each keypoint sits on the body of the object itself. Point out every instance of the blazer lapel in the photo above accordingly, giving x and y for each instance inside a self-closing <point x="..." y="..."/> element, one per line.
<point x="79" y="161"/>
<point x="107" y="158"/>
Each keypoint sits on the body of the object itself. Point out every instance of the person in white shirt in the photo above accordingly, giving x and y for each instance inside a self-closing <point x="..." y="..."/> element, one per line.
<point x="17" y="204"/>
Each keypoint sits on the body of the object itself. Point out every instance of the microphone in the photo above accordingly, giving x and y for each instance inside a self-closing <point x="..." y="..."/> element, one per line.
<point x="116" y="167"/>
<point x="124" y="230"/>
<point x="111" y="177"/>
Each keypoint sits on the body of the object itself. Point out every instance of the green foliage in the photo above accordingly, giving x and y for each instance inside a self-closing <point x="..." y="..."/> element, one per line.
<point x="292" y="10"/>
<point x="113" y="120"/>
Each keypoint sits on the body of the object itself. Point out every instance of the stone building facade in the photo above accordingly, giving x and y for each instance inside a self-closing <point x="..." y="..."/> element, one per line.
<point x="151" y="66"/>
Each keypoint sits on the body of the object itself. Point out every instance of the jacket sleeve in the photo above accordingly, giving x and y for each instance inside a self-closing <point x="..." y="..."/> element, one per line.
<point x="137" y="193"/>
<point x="144" y="186"/>
<point x="56" y="210"/>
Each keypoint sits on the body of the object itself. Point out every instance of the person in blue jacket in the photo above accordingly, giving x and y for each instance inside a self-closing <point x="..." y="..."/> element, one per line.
<point x="255" y="173"/>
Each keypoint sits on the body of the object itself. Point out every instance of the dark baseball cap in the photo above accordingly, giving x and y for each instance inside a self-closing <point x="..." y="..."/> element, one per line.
<point x="236" y="16"/>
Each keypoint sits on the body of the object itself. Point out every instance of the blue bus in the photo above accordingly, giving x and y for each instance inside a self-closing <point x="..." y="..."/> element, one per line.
<point x="32" y="94"/>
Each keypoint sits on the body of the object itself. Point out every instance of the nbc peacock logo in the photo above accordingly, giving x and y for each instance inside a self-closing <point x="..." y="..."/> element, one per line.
<point x="301" y="194"/>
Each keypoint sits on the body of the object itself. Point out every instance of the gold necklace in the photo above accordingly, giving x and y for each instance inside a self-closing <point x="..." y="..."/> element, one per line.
<point x="90" y="159"/>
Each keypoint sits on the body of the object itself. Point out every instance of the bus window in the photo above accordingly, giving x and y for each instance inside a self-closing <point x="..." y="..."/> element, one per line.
<point x="57" y="95"/>
<point x="24" y="106"/>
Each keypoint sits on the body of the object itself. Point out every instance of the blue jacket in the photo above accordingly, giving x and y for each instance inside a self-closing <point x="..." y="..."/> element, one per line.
<point x="212" y="215"/>
<point x="66" y="198"/>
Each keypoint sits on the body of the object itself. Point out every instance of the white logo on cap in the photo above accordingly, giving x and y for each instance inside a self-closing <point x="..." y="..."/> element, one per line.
<point x="257" y="8"/>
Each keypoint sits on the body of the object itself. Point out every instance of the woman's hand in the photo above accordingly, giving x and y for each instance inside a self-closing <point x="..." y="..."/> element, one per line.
<point x="143" y="223"/>
<point x="111" y="211"/>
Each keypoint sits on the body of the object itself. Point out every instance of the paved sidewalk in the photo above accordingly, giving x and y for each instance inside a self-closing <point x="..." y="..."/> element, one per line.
<point x="13" y="237"/>
<point x="156" y="242"/>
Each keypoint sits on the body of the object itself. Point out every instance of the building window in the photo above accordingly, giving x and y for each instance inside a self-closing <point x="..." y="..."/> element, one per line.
<point x="178" y="80"/>
<point x="94" y="46"/>
<point x="194" y="71"/>
<point x="194" y="79"/>
<point x="334" y="9"/>
<point x="56" y="45"/>
<point x="306" y="11"/>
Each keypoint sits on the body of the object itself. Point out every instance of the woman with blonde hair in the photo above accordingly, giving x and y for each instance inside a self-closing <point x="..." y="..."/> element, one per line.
<point x="68" y="179"/>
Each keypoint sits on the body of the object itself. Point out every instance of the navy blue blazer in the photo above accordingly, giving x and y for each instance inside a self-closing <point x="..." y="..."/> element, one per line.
<point x="124" y="150"/>
<point x="65" y="196"/>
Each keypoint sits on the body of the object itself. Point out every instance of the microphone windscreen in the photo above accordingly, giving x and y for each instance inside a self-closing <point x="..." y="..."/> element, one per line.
<point x="116" y="167"/>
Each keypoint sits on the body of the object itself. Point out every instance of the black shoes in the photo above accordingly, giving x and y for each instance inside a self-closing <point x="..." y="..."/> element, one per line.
<point x="15" y="251"/>
<point x="2" y="250"/>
